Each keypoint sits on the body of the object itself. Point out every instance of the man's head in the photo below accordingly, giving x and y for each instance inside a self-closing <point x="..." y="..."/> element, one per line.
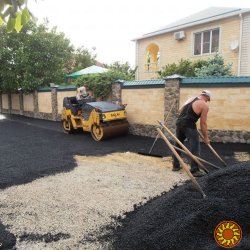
<point x="206" y="94"/>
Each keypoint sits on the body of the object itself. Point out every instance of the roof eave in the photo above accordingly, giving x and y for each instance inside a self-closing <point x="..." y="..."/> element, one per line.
<point x="176" y="28"/>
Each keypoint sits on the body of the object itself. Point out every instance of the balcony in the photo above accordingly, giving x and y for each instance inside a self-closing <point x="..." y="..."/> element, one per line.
<point x="151" y="67"/>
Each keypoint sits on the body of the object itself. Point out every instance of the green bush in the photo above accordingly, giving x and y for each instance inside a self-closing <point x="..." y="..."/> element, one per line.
<point x="214" y="66"/>
<point x="183" y="68"/>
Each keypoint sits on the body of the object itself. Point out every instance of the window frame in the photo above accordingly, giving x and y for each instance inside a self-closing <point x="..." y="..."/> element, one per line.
<point x="201" y="32"/>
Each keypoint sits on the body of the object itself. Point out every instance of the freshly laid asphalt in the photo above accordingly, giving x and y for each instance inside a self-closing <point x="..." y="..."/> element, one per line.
<point x="182" y="219"/>
<point x="33" y="148"/>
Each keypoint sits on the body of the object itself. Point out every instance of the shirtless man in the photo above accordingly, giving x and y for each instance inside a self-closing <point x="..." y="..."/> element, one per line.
<point x="81" y="92"/>
<point x="194" y="109"/>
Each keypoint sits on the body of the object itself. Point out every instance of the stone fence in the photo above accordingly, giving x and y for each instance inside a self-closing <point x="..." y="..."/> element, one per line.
<point x="150" y="101"/>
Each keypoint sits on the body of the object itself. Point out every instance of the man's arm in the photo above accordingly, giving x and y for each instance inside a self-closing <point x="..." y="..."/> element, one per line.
<point x="203" y="123"/>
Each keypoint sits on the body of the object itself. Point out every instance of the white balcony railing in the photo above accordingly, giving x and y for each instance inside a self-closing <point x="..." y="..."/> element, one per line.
<point x="151" y="67"/>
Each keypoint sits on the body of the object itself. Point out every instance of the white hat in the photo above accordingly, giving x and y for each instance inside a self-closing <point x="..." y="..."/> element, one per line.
<point x="206" y="93"/>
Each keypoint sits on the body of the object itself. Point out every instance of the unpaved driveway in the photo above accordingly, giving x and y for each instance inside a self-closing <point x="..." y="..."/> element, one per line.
<point x="66" y="208"/>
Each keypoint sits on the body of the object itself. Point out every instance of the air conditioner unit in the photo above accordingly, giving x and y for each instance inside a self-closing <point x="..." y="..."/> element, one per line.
<point x="179" y="35"/>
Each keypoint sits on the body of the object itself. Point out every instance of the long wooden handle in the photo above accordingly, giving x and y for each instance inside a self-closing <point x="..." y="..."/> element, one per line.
<point x="185" y="167"/>
<point x="200" y="159"/>
<point x="184" y="148"/>
<point x="212" y="149"/>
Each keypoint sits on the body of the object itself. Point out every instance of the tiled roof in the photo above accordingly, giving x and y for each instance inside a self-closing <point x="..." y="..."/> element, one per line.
<point x="214" y="79"/>
<point x="144" y="83"/>
<point x="205" y="16"/>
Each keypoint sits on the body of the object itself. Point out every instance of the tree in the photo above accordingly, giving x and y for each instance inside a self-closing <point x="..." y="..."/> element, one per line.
<point x="14" y="13"/>
<point x="215" y="67"/>
<point x="81" y="58"/>
<point x="125" y="68"/>
<point x="34" y="57"/>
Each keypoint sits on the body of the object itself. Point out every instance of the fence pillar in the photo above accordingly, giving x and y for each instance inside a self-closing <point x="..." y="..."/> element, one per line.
<point x="9" y="103"/>
<point x="35" y="102"/>
<point x="172" y="95"/>
<point x="1" y="102"/>
<point x="54" y="103"/>
<point x="117" y="92"/>
<point x="21" y="101"/>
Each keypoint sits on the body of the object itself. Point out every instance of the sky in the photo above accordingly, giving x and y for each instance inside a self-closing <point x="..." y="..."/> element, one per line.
<point x="107" y="27"/>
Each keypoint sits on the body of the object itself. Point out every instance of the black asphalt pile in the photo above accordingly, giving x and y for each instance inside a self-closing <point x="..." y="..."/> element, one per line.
<point x="7" y="239"/>
<point x="182" y="219"/>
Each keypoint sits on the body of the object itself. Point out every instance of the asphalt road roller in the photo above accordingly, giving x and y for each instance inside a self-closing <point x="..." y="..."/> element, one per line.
<point x="102" y="119"/>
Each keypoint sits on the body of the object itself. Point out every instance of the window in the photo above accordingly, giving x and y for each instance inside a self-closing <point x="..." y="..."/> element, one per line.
<point x="206" y="42"/>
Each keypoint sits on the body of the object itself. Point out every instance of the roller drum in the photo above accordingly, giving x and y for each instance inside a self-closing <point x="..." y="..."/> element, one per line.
<point x="108" y="130"/>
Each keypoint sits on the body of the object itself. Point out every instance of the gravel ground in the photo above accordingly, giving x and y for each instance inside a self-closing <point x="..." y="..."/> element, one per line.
<point x="60" y="191"/>
<point x="73" y="205"/>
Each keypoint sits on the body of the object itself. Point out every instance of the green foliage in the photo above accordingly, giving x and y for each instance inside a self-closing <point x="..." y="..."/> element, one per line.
<point x="101" y="84"/>
<point x="212" y="67"/>
<point x="215" y="67"/>
<point x="15" y="14"/>
<point x="34" y="57"/>
<point x="183" y="68"/>
<point x="124" y="68"/>
<point x="81" y="59"/>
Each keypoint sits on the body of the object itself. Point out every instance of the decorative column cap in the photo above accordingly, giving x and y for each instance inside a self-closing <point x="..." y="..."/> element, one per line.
<point x="174" y="76"/>
<point x="119" y="81"/>
<point x="53" y="85"/>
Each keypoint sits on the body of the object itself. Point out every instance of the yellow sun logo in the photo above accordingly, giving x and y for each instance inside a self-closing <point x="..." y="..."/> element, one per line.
<point x="228" y="234"/>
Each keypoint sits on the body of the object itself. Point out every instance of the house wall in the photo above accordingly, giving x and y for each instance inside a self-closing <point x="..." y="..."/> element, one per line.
<point x="28" y="103"/>
<point x="245" y="45"/>
<point x="172" y="51"/>
<point x="145" y="106"/>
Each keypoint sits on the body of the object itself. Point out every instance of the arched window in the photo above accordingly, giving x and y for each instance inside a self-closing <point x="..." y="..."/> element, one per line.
<point x="152" y="58"/>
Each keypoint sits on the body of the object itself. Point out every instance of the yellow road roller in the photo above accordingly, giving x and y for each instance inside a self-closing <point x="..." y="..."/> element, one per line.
<point x="102" y="119"/>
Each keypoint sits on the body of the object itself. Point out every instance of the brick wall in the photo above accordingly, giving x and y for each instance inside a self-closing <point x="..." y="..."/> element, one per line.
<point x="5" y="102"/>
<point x="44" y="102"/>
<point x="229" y="108"/>
<point x="229" y="114"/>
<point x="60" y="96"/>
<point x="228" y="118"/>
<point x="28" y="103"/>
<point x="15" y="102"/>
<point x="145" y="106"/>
